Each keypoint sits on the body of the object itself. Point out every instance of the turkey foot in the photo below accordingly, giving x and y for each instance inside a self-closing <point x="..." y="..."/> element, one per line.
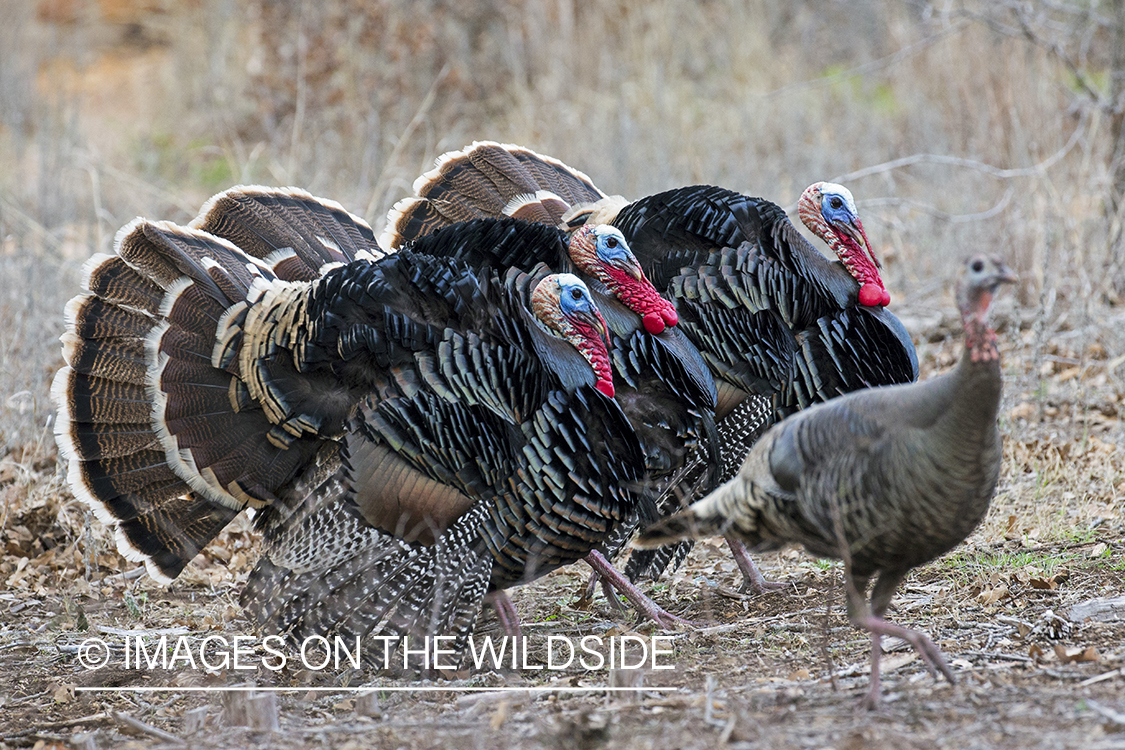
<point x="878" y="627"/>
<point x="505" y="613"/>
<point x="650" y="609"/>
<point x="752" y="578"/>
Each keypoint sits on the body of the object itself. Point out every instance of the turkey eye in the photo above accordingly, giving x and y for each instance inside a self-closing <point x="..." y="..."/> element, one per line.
<point x="576" y="294"/>
<point x="977" y="266"/>
<point x="836" y="203"/>
<point x="611" y="242"/>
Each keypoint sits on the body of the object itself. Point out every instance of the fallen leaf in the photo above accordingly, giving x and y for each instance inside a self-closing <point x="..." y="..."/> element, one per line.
<point x="1035" y="652"/>
<point x="1076" y="655"/>
<point x="64" y="694"/>
<point x="1068" y="374"/>
<point x="1042" y="583"/>
<point x="895" y="662"/>
<point x="1098" y="549"/>
<point x="992" y="595"/>
<point x="1023" y="628"/>
<point x="800" y="674"/>
<point x="345" y="705"/>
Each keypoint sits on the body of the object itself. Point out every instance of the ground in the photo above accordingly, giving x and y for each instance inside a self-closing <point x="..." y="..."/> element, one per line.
<point x="778" y="670"/>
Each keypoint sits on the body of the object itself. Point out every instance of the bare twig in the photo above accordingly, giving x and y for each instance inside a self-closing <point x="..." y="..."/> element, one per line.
<point x="148" y="729"/>
<point x="1115" y="716"/>
<point x="1025" y="30"/>
<point x="1102" y="677"/>
<point x="825" y="634"/>
<point x="1001" y="656"/>
<point x="128" y="575"/>
<point x="957" y="161"/>
<point x="937" y="213"/>
<point x="132" y="180"/>
<point x="31" y="223"/>
<point x="47" y="725"/>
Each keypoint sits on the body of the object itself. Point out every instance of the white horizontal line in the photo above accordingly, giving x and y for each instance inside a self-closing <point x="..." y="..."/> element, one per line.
<point x="371" y="689"/>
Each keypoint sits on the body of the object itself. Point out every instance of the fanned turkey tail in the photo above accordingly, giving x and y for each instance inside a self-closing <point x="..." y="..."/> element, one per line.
<point x="155" y="423"/>
<point x="485" y="180"/>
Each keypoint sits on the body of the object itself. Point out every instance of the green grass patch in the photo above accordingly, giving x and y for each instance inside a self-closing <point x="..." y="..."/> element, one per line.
<point x="982" y="563"/>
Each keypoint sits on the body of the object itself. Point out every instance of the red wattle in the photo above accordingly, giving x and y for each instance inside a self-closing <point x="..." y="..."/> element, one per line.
<point x="669" y="315"/>
<point x="654" y="322"/>
<point x="605" y="386"/>
<point x="873" y="295"/>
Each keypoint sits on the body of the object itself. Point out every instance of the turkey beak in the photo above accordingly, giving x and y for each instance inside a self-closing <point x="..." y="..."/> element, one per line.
<point x="597" y="322"/>
<point x="1006" y="275"/>
<point x="853" y="228"/>
<point x="632" y="267"/>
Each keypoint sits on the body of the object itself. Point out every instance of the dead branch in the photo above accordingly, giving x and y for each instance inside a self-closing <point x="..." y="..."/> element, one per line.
<point x="149" y="729"/>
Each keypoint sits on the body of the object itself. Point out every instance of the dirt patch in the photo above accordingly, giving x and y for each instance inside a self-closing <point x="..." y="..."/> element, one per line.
<point x="783" y="669"/>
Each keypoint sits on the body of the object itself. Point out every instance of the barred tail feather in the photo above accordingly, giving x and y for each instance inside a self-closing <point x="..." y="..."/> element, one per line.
<point x="299" y="235"/>
<point x="653" y="563"/>
<point x="674" y="529"/>
<point x="737" y="432"/>
<point x="488" y="180"/>
<point x="155" y="440"/>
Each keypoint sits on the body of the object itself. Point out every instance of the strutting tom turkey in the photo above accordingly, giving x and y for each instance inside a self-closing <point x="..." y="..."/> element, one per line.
<point x="779" y="325"/>
<point x="661" y="382"/>
<point x="885" y="479"/>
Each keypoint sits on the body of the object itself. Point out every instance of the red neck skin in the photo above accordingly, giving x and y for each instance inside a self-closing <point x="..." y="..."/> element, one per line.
<point x="980" y="340"/>
<point x="872" y="293"/>
<point x="640" y="296"/>
<point x="859" y="263"/>
<point x="634" y="290"/>
<point x="588" y="341"/>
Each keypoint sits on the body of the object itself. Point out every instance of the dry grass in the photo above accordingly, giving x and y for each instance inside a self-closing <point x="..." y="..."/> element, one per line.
<point x="115" y="108"/>
<point x="118" y="108"/>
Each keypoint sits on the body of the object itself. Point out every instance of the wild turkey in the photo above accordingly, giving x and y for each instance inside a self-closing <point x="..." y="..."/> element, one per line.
<point x="662" y="383"/>
<point x="770" y="315"/>
<point x="404" y="466"/>
<point x="886" y="479"/>
<point x="526" y="465"/>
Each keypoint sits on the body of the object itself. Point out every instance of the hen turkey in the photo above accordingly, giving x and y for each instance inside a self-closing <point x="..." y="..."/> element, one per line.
<point x="885" y="479"/>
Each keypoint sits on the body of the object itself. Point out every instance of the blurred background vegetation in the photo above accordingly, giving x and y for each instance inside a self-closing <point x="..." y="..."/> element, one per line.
<point x="960" y="125"/>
